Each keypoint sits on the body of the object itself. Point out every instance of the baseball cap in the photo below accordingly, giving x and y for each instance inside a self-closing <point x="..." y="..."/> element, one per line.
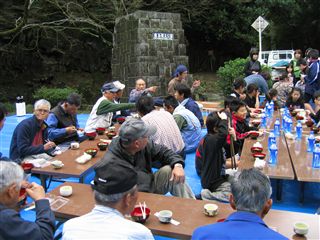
<point x="119" y="85"/>
<point x="133" y="129"/>
<point x="110" y="87"/>
<point x="114" y="177"/>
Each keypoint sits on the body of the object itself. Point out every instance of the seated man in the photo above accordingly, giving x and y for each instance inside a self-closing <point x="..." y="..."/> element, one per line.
<point x="3" y="114"/>
<point x="187" y="122"/>
<point x="252" y="96"/>
<point x="250" y="197"/>
<point x="134" y="149"/>
<point x="183" y="95"/>
<point x="168" y="133"/>
<point x="117" y="100"/>
<point x="30" y="138"/>
<point x="102" y="111"/>
<point x="115" y="193"/>
<point x="140" y="90"/>
<point x="63" y="122"/>
<point x="12" y="226"/>
<point x="180" y="76"/>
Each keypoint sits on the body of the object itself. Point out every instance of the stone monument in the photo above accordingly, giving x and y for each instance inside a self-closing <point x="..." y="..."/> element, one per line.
<point x="148" y="45"/>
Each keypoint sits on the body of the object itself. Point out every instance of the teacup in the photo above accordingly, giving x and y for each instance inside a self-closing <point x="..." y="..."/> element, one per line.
<point x="300" y="228"/>
<point x="165" y="216"/>
<point x="74" y="145"/>
<point x="65" y="191"/>
<point x="210" y="209"/>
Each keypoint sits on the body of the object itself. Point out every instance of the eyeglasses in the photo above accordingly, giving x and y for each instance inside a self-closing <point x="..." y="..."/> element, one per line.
<point x="42" y="110"/>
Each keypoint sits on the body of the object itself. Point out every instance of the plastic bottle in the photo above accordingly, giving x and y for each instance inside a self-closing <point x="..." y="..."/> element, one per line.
<point x="316" y="157"/>
<point x="271" y="139"/>
<point x="273" y="154"/>
<point x="289" y="125"/>
<point x="277" y="127"/>
<point x="263" y="121"/>
<point x="271" y="107"/>
<point x="311" y="141"/>
<point x="299" y="130"/>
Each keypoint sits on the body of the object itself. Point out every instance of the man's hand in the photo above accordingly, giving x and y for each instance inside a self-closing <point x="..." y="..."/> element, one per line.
<point x="35" y="191"/>
<point x="177" y="175"/>
<point x="49" y="145"/>
<point x="196" y="83"/>
<point x="152" y="89"/>
<point x="71" y="129"/>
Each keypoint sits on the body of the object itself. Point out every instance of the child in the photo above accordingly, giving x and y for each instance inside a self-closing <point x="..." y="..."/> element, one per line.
<point x="272" y="95"/>
<point x="239" y="123"/>
<point x="210" y="159"/>
<point x="290" y="74"/>
<point x="239" y="84"/>
<point x="295" y="99"/>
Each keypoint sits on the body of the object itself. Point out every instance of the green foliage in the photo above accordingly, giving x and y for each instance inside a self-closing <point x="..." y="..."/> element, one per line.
<point x="231" y="70"/>
<point x="53" y="95"/>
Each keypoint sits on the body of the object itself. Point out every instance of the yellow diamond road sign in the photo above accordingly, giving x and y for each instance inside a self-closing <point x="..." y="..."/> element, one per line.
<point x="260" y="24"/>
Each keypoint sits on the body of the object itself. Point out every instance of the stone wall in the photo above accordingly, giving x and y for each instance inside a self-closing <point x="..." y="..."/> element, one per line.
<point x="137" y="54"/>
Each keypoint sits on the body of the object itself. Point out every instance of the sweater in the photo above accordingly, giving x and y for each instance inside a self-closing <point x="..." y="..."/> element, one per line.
<point x="210" y="161"/>
<point x="22" y="138"/>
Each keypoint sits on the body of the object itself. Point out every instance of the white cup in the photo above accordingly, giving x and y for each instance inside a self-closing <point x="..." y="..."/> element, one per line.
<point x="74" y="145"/>
<point x="210" y="209"/>
<point x="65" y="191"/>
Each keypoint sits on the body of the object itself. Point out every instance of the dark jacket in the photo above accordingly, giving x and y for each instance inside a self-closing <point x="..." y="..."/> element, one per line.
<point x="13" y="227"/>
<point x="23" y="135"/>
<point x="194" y="107"/>
<point x="142" y="161"/>
<point x="210" y="161"/>
<point x="312" y="79"/>
<point x="63" y="120"/>
<point x="252" y="66"/>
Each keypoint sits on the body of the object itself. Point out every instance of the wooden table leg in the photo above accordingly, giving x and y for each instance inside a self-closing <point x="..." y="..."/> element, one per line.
<point x="301" y="200"/>
<point x="279" y="189"/>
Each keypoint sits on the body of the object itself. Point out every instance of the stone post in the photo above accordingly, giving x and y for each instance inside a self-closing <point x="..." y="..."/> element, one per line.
<point x="148" y="45"/>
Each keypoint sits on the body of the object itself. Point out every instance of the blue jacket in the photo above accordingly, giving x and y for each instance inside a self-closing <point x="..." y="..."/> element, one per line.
<point x="239" y="225"/>
<point x="13" y="227"/>
<point x="312" y="79"/>
<point x="192" y="106"/>
<point x="23" y="135"/>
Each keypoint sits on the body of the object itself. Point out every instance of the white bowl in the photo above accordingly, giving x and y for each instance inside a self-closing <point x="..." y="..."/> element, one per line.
<point x="301" y="228"/>
<point x="57" y="164"/>
<point x="65" y="191"/>
<point x="210" y="209"/>
<point x="165" y="216"/>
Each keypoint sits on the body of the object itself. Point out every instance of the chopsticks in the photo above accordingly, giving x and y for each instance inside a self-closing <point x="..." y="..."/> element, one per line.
<point x="143" y="210"/>
<point x="233" y="159"/>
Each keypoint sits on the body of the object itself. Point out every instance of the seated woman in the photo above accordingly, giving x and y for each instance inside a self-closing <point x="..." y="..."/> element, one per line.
<point x="295" y="99"/>
<point x="284" y="87"/>
<point x="210" y="159"/>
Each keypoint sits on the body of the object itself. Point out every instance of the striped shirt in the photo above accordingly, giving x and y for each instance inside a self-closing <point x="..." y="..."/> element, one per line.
<point x="168" y="133"/>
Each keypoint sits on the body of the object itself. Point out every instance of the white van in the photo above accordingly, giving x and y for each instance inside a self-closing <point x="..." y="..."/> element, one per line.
<point x="276" y="58"/>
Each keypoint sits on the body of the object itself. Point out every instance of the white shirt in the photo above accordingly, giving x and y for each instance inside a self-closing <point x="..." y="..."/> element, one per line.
<point x="94" y="121"/>
<point x="168" y="133"/>
<point x="104" y="223"/>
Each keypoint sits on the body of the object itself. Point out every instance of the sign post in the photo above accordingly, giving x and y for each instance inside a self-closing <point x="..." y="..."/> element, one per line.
<point x="259" y="25"/>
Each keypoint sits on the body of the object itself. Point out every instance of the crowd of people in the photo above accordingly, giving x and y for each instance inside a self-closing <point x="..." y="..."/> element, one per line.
<point x="160" y="137"/>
